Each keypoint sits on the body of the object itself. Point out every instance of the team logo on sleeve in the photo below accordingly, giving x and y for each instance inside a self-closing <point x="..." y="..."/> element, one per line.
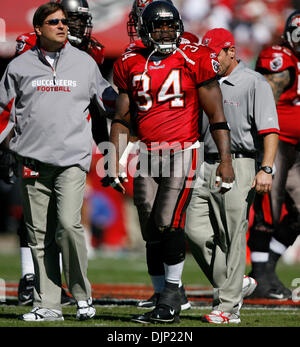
<point x="20" y="46"/>
<point x="206" y="41"/>
<point x="215" y="65"/>
<point x="276" y="64"/>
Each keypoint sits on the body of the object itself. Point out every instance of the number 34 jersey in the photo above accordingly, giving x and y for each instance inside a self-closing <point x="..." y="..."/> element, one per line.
<point x="165" y="92"/>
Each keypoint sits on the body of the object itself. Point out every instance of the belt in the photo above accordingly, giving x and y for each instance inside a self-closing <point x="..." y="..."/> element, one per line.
<point x="29" y="162"/>
<point x="235" y="155"/>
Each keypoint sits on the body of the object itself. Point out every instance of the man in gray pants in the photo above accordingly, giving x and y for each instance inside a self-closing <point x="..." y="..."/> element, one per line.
<point x="44" y="98"/>
<point x="216" y="224"/>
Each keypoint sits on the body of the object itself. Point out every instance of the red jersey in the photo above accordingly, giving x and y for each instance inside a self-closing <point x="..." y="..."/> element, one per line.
<point x="27" y="41"/>
<point x="277" y="59"/>
<point x="165" y="92"/>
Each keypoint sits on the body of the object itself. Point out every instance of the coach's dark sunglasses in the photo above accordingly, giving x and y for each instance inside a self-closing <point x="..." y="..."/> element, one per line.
<point x="55" y="21"/>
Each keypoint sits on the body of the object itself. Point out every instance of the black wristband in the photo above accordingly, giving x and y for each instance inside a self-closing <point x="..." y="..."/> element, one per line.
<point x="121" y="121"/>
<point x="219" y="126"/>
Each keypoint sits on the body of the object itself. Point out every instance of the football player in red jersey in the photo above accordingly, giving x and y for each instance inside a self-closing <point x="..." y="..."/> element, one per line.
<point x="167" y="82"/>
<point x="79" y="35"/>
<point x="154" y="262"/>
<point x="271" y="234"/>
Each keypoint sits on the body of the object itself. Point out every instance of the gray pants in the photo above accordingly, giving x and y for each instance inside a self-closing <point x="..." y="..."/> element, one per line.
<point x="52" y="206"/>
<point x="216" y="227"/>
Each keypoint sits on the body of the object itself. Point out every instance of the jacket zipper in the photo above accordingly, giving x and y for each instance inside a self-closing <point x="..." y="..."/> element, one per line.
<point x="55" y="63"/>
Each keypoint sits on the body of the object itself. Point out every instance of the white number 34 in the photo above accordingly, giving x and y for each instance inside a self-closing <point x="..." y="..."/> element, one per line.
<point x="169" y="90"/>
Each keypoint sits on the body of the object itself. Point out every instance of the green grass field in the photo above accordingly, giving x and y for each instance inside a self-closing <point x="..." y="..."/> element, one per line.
<point x="119" y="316"/>
<point x="132" y="270"/>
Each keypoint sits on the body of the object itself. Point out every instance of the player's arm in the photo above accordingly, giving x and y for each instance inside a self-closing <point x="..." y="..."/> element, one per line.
<point x="119" y="137"/>
<point x="278" y="81"/>
<point x="8" y="95"/>
<point x="8" y="163"/>
<point x="210" y="97"/>
<point x="99" y="125"/>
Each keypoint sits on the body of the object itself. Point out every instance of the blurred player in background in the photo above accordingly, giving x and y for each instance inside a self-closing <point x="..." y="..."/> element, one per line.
<point x="271" y="234"/>
<point x="79" y="35"/>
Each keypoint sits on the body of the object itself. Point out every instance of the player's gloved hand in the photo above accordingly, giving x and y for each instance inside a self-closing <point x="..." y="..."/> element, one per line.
<point x="115" y="182"/>
<point x="8" y="166"/>
<point x="105" y="181"/>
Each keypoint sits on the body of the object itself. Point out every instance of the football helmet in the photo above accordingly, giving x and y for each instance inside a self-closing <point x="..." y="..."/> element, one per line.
<point x="80" y="21"/>
<point x="291" y="32"/>
<point x="134" y="15"/>
<point x="156" y="17"/>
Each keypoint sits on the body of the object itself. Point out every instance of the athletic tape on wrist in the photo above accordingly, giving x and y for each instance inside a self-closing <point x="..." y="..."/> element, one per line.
<point x="226" y="185"/>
